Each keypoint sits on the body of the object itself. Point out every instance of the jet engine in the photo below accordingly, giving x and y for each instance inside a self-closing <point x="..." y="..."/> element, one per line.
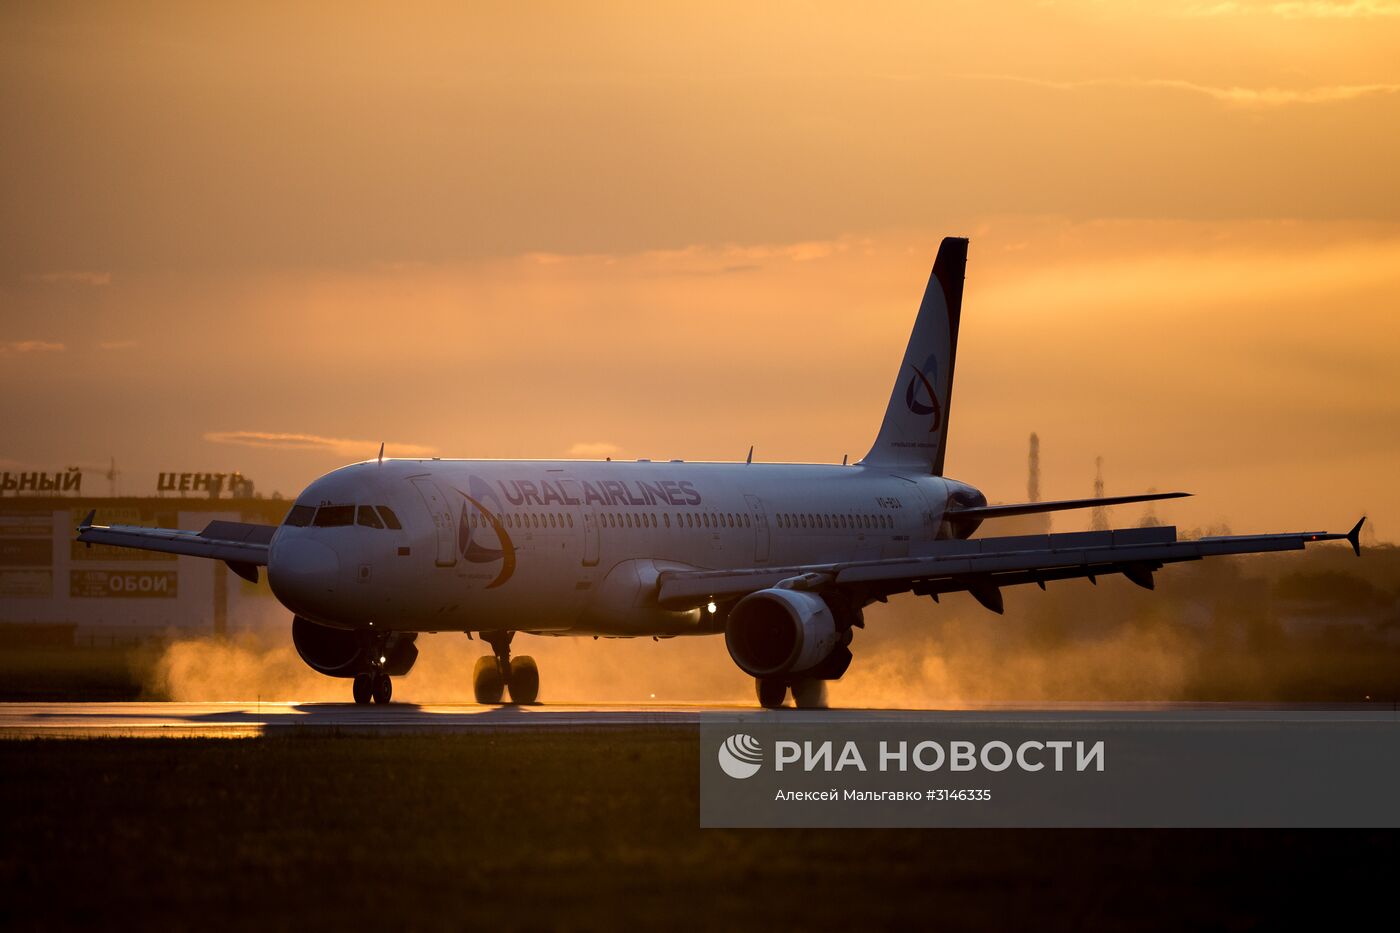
<point x="338" y="652"/>
<point x="775" y="632"/>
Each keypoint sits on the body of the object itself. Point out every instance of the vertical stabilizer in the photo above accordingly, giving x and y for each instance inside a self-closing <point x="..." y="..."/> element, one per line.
<point x="914" y="434"/>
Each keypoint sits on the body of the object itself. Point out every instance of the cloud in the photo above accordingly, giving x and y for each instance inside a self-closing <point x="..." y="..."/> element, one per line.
<point x="1303" y="9"/>
<point x="345" y="447"/>
<point x="31" y="346"/>
<point x="117" y="344"/>
<point x="592" y="450"/>
<point x="728" y="258"/>
<point x="74" y="277"/>
<point x="1235" y="96"/>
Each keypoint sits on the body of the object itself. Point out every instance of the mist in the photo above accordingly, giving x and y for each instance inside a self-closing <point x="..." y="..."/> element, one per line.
<point x="1272" y="628"/>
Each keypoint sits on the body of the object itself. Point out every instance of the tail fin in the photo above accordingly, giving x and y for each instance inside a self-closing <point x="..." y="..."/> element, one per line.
<point x="914" y="434"/>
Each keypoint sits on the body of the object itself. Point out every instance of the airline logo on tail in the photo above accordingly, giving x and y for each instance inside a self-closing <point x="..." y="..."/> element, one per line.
<point x="921" y="387"/>
<point x="474" y="550"/>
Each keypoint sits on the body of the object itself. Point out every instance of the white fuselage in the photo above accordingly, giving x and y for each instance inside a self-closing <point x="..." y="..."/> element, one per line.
<point x="575" y="547"/>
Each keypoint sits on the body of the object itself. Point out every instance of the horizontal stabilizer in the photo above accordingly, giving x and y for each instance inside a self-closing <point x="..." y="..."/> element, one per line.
<point x="984" y="512"/>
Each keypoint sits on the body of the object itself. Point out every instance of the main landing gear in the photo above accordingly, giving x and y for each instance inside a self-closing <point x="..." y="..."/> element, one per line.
<point x="807" y="693"/>
<point x="498" y="672"/>
<point x="376" y="686"/>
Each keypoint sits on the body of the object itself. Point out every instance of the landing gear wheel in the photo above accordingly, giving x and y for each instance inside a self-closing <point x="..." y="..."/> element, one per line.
<point x="362" y="688"/>
<point x="382" y="688"/>
<point x="524" y="680"/>
<point x="487" y="681"/>
<point x="771" y="693"/>
<point x="809" y="693"/>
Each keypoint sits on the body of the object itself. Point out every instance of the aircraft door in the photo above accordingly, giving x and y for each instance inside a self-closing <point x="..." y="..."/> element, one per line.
<point x="443" y="522"/>
<point x="589" y="521"/>
<point x="590" y="537"/>
<point x="760" y="529"/>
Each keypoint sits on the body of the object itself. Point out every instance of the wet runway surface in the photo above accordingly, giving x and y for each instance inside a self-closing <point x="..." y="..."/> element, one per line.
<point x="241" y="720"/>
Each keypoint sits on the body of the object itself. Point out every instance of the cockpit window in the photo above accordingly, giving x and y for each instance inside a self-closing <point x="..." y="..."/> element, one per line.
<point x="300" y="515"/>
<point x="368" y="517"/>
<point x="334" y="516"/>
<point x="390" y="519"/>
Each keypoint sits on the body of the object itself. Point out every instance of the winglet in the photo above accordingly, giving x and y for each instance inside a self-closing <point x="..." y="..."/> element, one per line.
<point x="1354" y="536"/>
<point x="85" y="525"/>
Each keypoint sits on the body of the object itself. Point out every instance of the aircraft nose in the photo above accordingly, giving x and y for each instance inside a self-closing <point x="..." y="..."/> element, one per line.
<point x="302" y="573"/>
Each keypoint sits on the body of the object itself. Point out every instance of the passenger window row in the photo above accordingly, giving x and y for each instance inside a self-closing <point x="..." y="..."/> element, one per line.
<point x="618" y="520"/>
<point x="370" y="516"/>
<point x="712" y="520"/>
<point x="525" y="520"/>
<point x="837" y="521"/>
<point x="628" y="520"/>
<point x="339" y="516"/>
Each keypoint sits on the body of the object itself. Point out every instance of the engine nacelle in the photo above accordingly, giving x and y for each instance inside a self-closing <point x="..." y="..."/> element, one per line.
<point x="961" y="496"/>
<point x="338" y="652"/>
<point x="776" y="631"/>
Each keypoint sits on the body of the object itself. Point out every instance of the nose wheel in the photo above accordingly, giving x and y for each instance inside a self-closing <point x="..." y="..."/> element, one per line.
<point x="377" y="686"/>
<point x="498" y="673"/>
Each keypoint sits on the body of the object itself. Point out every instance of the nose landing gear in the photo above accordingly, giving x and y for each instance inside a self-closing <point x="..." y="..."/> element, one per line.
<point x="497" y="673"/>
<point x="376" y="686"/>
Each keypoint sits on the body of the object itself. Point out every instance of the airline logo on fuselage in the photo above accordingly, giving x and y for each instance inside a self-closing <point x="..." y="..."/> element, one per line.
<point x="609" y="492"/>
<point x="920" y="388"/>
<point x="486" y="540"/>
<point x="487" y="507"/>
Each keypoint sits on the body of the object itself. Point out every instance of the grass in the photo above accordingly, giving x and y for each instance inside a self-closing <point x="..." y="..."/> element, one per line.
<point x="568" y="829"/>
<point x="98" y="674"/>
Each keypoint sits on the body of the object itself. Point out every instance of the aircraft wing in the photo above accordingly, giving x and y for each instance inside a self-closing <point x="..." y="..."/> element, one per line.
<point x="242" y="545"/>
<point x="981" y="566"/>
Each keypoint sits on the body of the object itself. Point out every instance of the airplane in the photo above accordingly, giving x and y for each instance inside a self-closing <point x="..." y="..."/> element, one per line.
<point x="779" y="558"/>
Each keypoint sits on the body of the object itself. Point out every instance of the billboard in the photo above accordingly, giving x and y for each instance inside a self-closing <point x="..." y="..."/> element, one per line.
<point x="26" y="524"/>
<point x="26" y="583"/>
<point x="26" y="552"/>
<point x="123" y="584"/>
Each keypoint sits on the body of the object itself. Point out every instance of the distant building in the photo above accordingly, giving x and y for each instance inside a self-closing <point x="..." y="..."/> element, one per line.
<point x="116" y="594"/>
<point x="1098" y="516"/>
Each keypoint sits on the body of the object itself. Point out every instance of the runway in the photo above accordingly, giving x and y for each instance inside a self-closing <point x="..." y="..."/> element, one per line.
<point x="251" y="719"/>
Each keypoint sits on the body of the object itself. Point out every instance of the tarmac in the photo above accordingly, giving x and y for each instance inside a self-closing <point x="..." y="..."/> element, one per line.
<point x="250" y="719"/>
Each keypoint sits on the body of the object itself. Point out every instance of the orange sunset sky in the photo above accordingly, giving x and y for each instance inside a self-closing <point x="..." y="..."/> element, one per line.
<point x="267" y="237"/>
